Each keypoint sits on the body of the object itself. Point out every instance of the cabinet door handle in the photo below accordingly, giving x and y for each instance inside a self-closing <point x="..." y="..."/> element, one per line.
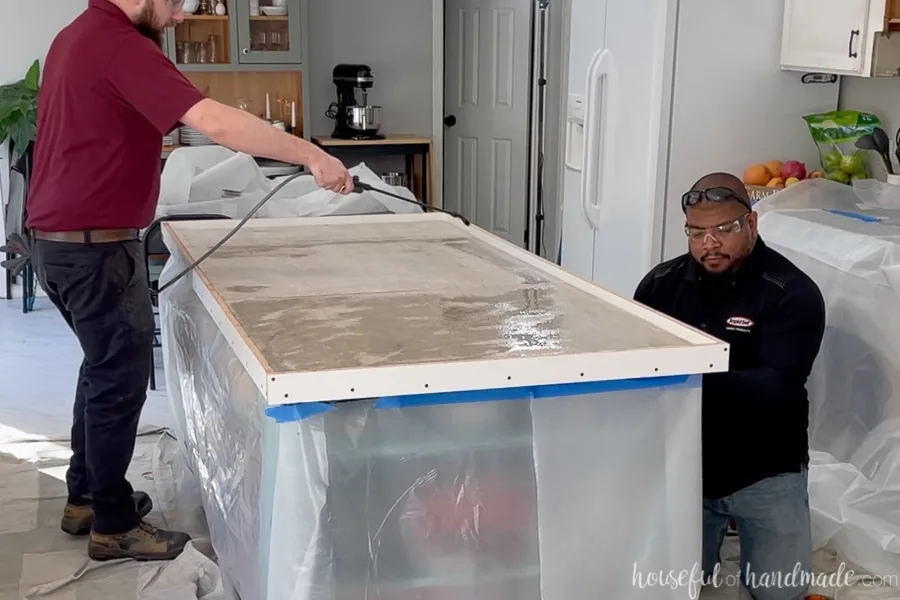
<point x="850" y="51"/>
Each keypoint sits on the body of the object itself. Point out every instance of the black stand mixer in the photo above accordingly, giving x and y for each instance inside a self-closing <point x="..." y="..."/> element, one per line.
<point x="353" y="120"/>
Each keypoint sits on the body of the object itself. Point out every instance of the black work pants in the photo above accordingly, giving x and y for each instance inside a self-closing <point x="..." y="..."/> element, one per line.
<point x="101" y="291"/>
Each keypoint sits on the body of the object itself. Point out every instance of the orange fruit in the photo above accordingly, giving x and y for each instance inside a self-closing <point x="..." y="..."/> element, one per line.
<point x="756" y="175"/>
<point x="773" y="167"/>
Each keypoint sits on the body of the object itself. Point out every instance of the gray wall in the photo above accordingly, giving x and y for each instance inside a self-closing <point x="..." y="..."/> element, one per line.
<point x="355" y="31"/>
<point x="881" y="97"/>
<point x="394" y="37"/>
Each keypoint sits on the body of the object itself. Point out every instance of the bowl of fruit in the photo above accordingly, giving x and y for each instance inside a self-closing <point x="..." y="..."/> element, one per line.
<point x="764" y="179"/>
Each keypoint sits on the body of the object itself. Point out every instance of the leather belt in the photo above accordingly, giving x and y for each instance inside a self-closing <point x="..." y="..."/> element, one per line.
<point x="91" y="236"/>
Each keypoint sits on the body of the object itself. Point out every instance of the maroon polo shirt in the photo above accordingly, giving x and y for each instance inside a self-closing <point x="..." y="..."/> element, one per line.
<point x="107" y="97"/>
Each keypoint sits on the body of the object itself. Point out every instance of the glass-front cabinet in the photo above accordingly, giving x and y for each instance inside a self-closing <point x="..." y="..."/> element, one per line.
<point x="201" y="40"/>
<point x="216" y="34"/>
<point x="268" y="31"/>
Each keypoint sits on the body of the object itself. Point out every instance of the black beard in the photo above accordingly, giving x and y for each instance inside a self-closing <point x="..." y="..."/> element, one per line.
<point x="152" y="34"/>
<point x="145" y="24"/>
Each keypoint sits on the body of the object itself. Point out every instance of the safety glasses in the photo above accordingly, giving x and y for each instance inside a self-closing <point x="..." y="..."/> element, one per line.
<point x="714" y="194"/>
<point x="719" y="233"/>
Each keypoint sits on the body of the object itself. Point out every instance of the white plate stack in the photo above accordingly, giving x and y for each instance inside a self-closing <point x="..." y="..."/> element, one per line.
<point x="171" y="139"/>
<point x="192" y="137"/>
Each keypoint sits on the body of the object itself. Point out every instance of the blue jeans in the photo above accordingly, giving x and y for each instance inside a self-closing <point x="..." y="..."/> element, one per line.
<point x="772" y="518"/>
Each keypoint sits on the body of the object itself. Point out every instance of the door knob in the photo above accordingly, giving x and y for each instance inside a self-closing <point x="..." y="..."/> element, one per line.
<point x="450" y="120"/>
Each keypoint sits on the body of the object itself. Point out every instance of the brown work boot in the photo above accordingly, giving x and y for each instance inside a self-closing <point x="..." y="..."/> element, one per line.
<point x="144" y="542"/>
<point x="78" y="519"/>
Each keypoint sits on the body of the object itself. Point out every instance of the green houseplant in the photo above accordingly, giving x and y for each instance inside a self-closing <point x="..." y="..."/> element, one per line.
<point x="18" y="110"/>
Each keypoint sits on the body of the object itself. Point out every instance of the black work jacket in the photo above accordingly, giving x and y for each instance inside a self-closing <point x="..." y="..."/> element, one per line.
<point x="755" y="417"/>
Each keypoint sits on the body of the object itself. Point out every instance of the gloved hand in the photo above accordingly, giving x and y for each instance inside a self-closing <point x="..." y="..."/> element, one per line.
<point x="21" y="247"/>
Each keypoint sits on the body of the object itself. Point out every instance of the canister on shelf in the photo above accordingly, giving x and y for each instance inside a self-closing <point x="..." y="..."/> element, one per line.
<point x="395" y="179"/>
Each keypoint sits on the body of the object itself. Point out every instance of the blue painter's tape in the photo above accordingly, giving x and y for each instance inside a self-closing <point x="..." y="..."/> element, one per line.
<point x="289" y="413"/>
<point x="528" y="393"/>
<point x="855" y="215"/>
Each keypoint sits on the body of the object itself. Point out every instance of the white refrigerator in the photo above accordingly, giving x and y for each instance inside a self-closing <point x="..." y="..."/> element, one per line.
<point x="660" y="93"/>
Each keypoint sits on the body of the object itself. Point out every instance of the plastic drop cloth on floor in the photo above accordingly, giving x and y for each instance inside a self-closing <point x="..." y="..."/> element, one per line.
<point x="850" y="245"/>
<point x="506" y="500"/>
<point x="216" y="180"/>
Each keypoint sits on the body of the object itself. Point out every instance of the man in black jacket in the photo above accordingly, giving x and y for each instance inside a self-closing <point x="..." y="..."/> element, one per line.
<point x="755" y="448"/>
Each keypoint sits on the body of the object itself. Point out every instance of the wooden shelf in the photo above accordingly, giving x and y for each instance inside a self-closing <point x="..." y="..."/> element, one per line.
<point x="205" y="18"/>
<point x="268" y="18"/>
<point x="397" y="139"/>
<point x="891" y="16"/>
<point x="232" y="67"/>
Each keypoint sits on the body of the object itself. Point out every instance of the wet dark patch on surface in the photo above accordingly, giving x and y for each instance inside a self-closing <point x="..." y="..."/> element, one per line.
<point x="246" y="289"/>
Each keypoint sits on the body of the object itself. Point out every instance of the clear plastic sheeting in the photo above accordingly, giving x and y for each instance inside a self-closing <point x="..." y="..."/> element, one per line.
<point x="877" y="194"/>
<point x="852" y="250"/>
<point x="511" y="497"/>
<point x="216" y="180"/>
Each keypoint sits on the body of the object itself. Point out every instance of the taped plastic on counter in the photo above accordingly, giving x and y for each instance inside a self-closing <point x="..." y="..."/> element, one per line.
<point x="550" y="498"/>
<point x="854" y="478"/>
<point x="216" y="180"/>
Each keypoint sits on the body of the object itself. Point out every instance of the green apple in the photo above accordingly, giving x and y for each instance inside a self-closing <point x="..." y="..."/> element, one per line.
<point x="838" y="175"/>
<point x="832" y="160"/>
<point x="856" y="176"/>
<point x="853" y="163"/>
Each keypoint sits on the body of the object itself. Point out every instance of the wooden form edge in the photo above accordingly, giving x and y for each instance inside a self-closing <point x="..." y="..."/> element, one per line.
<point x="239" y="329"/>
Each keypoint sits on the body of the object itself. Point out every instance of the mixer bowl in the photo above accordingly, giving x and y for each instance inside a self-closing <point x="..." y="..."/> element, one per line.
<point x="364" y="119"/>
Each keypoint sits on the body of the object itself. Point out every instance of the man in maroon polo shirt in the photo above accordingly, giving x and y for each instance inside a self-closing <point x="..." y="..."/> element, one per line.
<point x="108" y="96"/>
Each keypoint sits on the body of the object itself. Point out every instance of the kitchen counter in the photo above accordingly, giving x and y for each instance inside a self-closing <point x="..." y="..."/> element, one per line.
<point x="327" y="141"/>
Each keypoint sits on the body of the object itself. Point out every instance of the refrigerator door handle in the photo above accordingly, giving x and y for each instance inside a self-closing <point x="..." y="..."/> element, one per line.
<point x="595" y="102"/>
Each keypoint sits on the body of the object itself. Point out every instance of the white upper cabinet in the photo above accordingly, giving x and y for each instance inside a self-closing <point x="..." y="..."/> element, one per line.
<point x="842" y="37"/>
<point x="824" y="35"/>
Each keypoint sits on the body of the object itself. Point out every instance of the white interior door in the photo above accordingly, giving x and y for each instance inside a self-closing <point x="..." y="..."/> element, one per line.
<point x="487" y="73"/>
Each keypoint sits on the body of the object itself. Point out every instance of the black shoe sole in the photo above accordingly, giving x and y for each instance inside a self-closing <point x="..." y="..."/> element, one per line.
<point x="142" y="503"/>
<point x="106" y="554"/>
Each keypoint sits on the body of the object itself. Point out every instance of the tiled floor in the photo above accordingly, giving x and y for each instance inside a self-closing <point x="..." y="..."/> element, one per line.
<point x="837" y="582"/>
<point x="39" y="360"/>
